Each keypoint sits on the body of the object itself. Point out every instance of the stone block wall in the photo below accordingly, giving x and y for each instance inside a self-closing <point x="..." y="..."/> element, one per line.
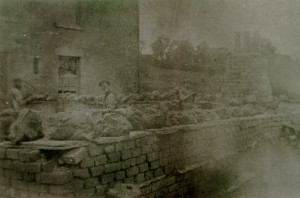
<point x="242" y="75"/>
<point x="161" y="162"/>
<point x="163" y="79"/>
<point x="246" y="75"/>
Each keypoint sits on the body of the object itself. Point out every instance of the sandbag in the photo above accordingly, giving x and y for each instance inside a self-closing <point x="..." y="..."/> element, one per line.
<point x="145" y="116"/>
<point x="113" y="124"/>
<point x="190" y="116"/>
<point x="181" y="118"/>
<point x="151" y="115"/>
<point x="172" y="105"/>
<point x="134" y="117"/>
<point x="74" y="125"/>
<point x="27" y="127"/>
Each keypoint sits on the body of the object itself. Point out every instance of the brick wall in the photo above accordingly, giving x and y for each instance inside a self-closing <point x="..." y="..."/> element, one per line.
<point x="160" y="161"/>
<point x="246" y="75"/>
<point x="162" y="79"/>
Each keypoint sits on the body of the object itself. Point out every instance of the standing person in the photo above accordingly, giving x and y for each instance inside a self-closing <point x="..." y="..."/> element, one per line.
<point x="8" y="116"/>
<point x="16" y="95"/>
<point x="110" y="101"/>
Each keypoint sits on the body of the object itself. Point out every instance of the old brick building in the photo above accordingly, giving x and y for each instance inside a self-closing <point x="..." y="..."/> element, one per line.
<point x="69" y="46"/>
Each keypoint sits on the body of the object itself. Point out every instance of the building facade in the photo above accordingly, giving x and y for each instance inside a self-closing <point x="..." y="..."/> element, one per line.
<point x="68" y="46"/>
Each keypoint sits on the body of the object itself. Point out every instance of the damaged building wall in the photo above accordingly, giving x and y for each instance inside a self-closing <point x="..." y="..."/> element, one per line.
<point x="103" y="36"/>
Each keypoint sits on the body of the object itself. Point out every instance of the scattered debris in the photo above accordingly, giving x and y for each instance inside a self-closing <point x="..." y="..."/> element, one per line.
<point x="74" y="125"/>
<point x="113" y="124"/>
<point x="27" y="127"/>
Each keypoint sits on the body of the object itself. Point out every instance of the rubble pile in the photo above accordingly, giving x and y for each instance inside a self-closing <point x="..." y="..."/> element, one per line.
<point x="150" y="116"/>
<point x="98" y="100"/>
<point x="82" y="125"/>
<point x="112" y="124"/>
<point x="27" y="127"/>
<point x="96" y="123"/>
<point x="194" y="116"/>
<point x="138" y="112"/>
<point x="190" y="117"/>
<point x="291" y="124"/>
<point x="7" y="117"/>
<point x="70" y="125"/>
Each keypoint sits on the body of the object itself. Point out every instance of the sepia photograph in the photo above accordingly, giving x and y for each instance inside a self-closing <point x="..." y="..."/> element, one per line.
<point x="149" y="99"/>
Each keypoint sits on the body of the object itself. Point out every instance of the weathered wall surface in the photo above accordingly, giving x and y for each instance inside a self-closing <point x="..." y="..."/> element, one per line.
<point x="239" y="76"/>
<point x="159" y="161"/>
<point x="246" y="75"/>
<point x="162" y="79"/>
<point x="105" y="39"/>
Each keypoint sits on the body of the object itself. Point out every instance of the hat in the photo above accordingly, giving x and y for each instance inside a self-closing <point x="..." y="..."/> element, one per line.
<point x="104" y="81"/>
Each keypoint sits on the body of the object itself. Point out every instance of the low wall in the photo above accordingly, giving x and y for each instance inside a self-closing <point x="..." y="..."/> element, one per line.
<point x="158" y="161"/>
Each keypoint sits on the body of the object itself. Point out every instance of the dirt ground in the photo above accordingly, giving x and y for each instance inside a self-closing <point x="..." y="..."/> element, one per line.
<point x="276" y="173"/>
<point x="274" y="167"/>
<point x="268" y="171"/>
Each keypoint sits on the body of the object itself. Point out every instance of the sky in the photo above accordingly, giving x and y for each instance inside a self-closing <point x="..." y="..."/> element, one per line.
<point x="215" y="21"/>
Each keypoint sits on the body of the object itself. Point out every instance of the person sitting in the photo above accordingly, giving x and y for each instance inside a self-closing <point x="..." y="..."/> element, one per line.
<point x="185" y="93"/>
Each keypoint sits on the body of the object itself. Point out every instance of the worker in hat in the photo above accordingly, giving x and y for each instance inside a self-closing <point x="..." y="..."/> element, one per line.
<point x="110" y="101"/>
<point x="185" y="92"/>
<point x="8" y="116"/>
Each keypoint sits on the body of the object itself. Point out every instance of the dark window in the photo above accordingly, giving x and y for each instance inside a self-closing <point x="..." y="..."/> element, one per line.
<point x="68" y="74"/>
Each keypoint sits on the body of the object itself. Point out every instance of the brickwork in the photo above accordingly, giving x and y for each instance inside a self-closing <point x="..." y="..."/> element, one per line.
<point x="160" y="161"/>
<point x="246" y="75"/>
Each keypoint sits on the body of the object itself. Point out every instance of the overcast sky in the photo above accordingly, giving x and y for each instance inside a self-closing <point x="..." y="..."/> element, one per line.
<point x="215" y="21"/>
